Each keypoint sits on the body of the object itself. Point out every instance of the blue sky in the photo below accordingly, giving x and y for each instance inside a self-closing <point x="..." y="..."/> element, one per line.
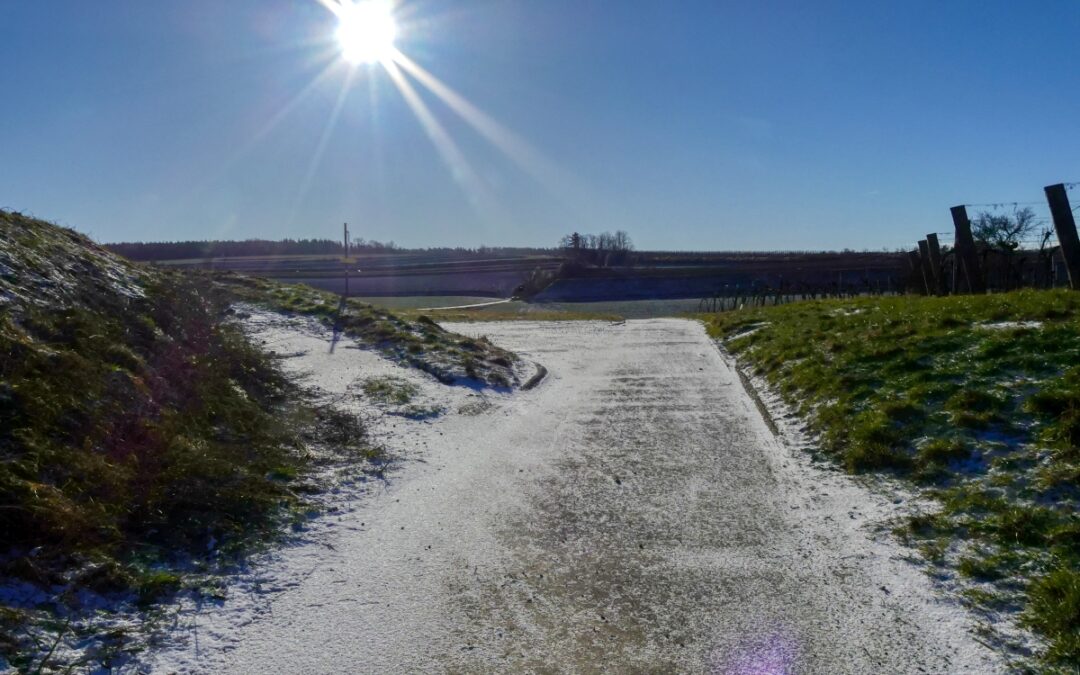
<point x="692" y="125"/>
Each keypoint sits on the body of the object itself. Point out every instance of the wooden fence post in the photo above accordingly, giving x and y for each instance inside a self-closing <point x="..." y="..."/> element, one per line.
<point x="915" y="264"/>
<point x="965" y="249"/>
<point x="935" y="263"/>
<point x="1065" y="225"/>
<point x="927" y="273"/>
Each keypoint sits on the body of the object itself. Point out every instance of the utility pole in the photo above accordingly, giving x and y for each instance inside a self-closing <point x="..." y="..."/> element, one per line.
<point x="346" y="234"/>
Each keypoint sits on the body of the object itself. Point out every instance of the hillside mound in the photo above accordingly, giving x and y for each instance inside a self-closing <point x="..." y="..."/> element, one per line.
<point x="48" y="266"/>
<point x="141" y="431"/>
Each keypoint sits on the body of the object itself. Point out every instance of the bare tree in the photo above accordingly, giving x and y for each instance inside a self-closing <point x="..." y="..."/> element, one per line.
<point x="621" y="241"/>
<point x="605" y="241"/>
<point x="1003" y="232"/>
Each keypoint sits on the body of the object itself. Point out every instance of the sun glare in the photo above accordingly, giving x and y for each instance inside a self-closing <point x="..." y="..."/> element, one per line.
<point x="365" y="34"/>
<point x="366" y="31"/>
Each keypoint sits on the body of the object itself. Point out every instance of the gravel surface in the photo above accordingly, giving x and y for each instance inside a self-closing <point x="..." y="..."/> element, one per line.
<point x="631" y="513"/>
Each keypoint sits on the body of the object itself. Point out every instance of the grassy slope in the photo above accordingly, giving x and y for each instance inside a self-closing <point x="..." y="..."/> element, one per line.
<point x="418" y="342"/>
<point x="139" y="428"/>
<point x="976" y="409"/>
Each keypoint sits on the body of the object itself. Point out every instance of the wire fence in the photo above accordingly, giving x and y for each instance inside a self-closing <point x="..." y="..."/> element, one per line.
<point x="1009" y="244"/>
<point x="994" y="246"/>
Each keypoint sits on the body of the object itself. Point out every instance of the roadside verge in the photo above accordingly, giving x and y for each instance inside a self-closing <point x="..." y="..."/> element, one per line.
<point x="967" y="403"/>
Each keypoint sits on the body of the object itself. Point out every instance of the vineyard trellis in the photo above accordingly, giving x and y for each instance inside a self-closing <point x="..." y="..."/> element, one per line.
<point x="1048" y="259"/>
<point x="738" y="296"/>
<point x="1046" y="256"/>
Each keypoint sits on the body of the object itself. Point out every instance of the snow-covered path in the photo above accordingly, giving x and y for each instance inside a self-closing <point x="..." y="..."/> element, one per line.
<point x="631" y="513"/>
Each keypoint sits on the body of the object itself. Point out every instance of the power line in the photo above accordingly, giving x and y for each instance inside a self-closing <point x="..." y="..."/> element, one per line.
<point x="998" y="205"/>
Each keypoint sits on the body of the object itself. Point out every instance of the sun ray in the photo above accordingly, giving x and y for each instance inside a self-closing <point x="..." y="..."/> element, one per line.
<point x="292" y="103"/>
<point x="451" y="154"/>
<point x="377" y="153"/>
<point x="332" y="5"/>
<point x="211" y="176"/>
<point x="366" y="31"/>
<point x="524" y="154"/>
<point x="320" y="148"/>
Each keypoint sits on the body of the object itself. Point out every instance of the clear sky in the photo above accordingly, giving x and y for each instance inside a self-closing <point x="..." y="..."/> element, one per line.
<point x="692" y="125"/>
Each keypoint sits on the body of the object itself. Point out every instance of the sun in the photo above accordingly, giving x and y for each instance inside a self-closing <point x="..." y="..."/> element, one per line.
<point x="366" y="30"/>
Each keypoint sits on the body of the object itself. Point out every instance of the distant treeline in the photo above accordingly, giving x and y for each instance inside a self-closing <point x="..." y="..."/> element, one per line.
<point x="707" y="257"/>
<point x="180" y="250"/>
<point x="185" y="250"/>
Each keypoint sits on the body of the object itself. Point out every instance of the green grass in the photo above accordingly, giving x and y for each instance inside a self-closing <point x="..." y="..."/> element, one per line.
<point x="390" y="390"/>
<point x="1054" y="611"/>
<point x="140" y="432"/>
<point x="132" y="439"/>
<point x="403" y="302"/>
<point x="945" y="393"/>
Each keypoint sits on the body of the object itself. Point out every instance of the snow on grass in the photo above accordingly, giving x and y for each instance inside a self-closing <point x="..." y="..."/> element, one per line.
<point x="974" y="402"/>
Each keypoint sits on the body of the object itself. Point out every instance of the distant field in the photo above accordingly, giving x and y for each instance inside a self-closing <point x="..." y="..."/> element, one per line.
<point x="621" y="309"/>
<point x="649" y="277"/>
<point x="629" y="309"/>
<point x="420" y="301"/>
<point x="389" y="274"/>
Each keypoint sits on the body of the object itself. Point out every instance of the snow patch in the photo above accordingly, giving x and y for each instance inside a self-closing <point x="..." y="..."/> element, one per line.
<point x="1011" y="325"/>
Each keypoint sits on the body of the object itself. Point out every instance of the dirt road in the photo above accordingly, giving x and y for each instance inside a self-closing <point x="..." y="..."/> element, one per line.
<point x="632" y="513"/>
